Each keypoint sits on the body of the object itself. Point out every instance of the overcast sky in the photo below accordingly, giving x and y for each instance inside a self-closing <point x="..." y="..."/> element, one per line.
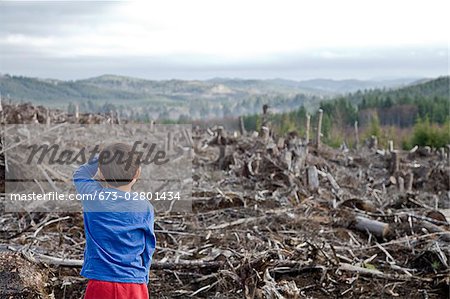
<point x="192" y="39"/>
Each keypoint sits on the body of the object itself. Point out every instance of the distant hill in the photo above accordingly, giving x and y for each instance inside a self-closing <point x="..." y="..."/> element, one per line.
<point x="420" y="90"/>
<point x="44" y="91"/>
<point x="141" y="98"/>
<point x="427" y="87"/>
<point x="346" y="86"/>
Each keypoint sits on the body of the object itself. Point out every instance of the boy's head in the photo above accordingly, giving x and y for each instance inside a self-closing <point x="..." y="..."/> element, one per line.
<point x="119" y="165"/>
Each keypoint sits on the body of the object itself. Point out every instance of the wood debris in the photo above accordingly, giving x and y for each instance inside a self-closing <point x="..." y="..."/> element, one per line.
<point x="273" y="218"/>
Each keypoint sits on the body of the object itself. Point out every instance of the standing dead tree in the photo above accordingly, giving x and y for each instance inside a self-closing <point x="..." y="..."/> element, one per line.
<point x="242" y="126"/>
<point x="319" y="128"/>
<point x="356" y="135"/>
<point x="308" y="125"/>
<point x="265" y="123"/>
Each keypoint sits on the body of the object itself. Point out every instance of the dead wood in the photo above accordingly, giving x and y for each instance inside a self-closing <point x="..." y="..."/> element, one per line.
<point x="377" y="273"/>
<point x="270" y="218"/>
<point x="377" y="228"/>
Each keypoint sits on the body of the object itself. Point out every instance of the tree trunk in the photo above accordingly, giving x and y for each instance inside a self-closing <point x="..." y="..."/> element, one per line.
<point x="242" y="126"/>
<point x="308" y="125"/>
<point x="319" y="128"/>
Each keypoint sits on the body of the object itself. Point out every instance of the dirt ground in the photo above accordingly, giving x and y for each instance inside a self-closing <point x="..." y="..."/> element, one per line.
<point x="273" y="217"/>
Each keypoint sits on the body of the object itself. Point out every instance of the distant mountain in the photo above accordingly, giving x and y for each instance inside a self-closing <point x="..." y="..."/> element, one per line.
<point x="141" y="98"/>
<point x="109" y="87"/>
<point x="317" y="86"/>
<point x="148" y="99"/>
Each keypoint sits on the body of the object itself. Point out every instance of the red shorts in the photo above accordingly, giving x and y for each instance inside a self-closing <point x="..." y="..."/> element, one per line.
<point x="98" y="289"/>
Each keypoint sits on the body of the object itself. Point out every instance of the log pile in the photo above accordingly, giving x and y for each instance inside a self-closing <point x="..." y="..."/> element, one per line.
<point x="277" y="217"/>
<point x="28" y="114"/>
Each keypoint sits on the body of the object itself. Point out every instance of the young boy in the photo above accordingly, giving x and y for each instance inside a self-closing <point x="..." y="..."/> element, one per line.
<point x="120" y="240"/>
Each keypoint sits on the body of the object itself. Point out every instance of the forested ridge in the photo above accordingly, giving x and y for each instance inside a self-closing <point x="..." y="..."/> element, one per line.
<point x="143" y="99"/>
<point x="382" y="112"/>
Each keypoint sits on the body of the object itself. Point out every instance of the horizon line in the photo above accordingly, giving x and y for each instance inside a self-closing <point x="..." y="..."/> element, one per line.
<point x="375" y="79"/>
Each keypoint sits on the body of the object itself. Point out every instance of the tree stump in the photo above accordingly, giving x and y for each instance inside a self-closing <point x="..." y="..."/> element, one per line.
<point x="373" y="142"/>
<point x="390" y="146"/>
<point x="409" y="185"/>
<point x="313" y="178"/>
<point x="395" y="162"/>
<point x="401" y="185"/>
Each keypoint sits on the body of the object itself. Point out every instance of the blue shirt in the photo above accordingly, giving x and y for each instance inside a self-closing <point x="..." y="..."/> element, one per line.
<point x="120" y="239"/>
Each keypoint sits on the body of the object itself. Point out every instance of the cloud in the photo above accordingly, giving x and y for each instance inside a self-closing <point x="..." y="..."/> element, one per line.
<point x="395" y="63"/>
<point x="258" y="38"/>
<point x="50" y="18"/>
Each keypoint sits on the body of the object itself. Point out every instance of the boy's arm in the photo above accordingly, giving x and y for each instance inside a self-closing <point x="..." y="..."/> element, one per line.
<point x="150" y="243"/>
<point x="83" y="177"/>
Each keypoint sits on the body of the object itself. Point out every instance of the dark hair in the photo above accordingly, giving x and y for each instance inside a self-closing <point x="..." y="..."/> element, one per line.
<point x="118" y="164"/>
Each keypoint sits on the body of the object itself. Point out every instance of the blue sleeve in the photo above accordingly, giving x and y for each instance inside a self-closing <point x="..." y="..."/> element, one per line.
<point x="150" y="243"/>
<point x="83" y="178"/>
